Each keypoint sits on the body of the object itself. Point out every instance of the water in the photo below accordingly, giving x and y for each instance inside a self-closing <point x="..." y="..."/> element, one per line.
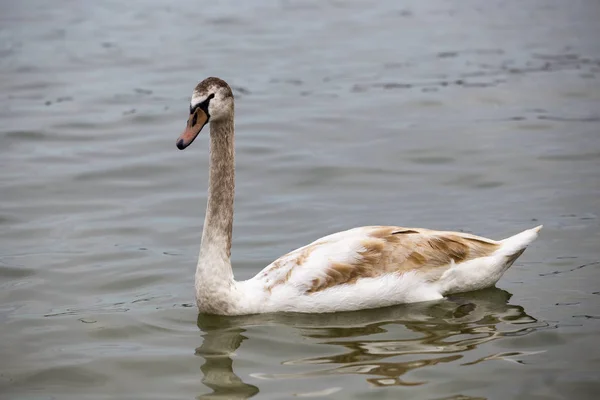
<point x="474" y="116"/>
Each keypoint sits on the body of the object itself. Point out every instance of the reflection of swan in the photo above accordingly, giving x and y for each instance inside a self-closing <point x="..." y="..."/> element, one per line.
<point x="366" y="267"/>
<point x="445" y="331"/>
<point x="216" y="350"/>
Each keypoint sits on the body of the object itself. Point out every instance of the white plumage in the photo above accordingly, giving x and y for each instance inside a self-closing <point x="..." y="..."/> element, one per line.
<point x="385" y="289"/>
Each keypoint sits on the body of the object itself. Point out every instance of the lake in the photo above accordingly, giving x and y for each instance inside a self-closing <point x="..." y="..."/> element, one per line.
<point x="482" y="117"/>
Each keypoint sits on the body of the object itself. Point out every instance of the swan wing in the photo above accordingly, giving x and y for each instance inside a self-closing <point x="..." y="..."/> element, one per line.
<point x="370" y="252"/>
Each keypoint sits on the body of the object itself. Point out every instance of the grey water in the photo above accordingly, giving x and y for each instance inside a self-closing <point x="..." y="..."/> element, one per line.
<point x="463" y="115"/>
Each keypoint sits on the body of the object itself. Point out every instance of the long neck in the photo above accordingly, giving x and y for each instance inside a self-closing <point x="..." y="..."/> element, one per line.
<point x="218" y="223"/>
<point x="213" y="274"/>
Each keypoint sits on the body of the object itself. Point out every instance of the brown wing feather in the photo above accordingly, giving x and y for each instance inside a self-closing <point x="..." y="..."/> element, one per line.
<point x="397" y="250"/>
<point x="383" y="250"/>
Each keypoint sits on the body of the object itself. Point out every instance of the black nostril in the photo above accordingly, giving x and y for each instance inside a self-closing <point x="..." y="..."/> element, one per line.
<point x="180" y="144"/>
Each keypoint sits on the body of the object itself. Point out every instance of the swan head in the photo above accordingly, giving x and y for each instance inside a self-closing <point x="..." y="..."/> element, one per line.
<point x="212" y="101"/>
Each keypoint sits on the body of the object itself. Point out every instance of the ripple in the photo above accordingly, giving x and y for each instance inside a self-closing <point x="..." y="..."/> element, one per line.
<point x="15" y="272"/>
<point x="587" y="316"/>
<point x="572" y="157"/>
<point x="506" y="356"/>
<point x="432" y="160"/>
<point x="570" y="119"/>
<point x="571" y="269"/>
<point x="74" y="376"/>
<point x="25" y="135"/>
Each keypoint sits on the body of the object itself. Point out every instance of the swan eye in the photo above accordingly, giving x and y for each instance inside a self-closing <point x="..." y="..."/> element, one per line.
<point x="204" y="105"/>
<point x="195" y="119"/>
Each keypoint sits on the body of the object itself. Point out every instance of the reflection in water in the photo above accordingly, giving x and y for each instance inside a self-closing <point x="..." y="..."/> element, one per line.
<point x="216" y="349"/>
<point x="440" y="332"/>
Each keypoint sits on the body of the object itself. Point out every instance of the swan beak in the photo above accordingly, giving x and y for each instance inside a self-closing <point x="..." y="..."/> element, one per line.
<point x="195" y="124"/>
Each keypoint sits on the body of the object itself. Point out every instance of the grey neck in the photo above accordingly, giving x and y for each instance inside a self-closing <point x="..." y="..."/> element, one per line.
<point x="218" y="223"/>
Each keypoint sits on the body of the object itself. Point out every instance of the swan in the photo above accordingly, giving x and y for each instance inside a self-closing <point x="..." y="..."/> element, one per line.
<point x="361" y="268"/>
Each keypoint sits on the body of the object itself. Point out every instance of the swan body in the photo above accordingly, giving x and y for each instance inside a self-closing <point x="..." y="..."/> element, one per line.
<point x="361" y="268"/>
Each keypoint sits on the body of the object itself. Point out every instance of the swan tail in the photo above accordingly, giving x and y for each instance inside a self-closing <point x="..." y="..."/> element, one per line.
<point x="484" y="272"/>
<point x="511" y="248"/>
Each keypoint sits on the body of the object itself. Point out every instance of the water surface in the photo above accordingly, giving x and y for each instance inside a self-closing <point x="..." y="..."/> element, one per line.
<point x="474" y="116"/>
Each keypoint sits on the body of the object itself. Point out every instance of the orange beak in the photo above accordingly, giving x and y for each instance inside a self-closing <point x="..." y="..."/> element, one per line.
<point x="194" y="125"/>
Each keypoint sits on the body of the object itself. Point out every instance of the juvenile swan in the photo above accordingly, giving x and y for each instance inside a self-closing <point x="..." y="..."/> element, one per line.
<point x="366" y="267"/>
